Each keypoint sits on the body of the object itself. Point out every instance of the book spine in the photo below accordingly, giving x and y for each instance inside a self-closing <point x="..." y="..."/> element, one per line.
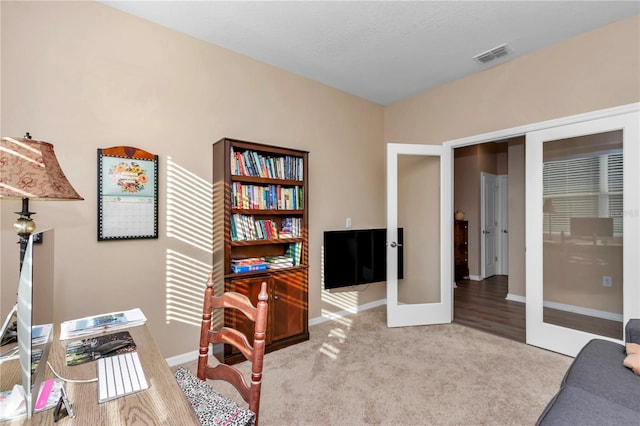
<point x="248" y="268"/>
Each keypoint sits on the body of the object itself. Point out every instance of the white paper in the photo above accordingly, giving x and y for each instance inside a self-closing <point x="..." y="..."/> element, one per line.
<point x="101" y="323"/>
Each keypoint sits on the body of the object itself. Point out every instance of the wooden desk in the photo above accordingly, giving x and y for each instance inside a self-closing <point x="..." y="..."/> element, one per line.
<point x="163" y="403"/>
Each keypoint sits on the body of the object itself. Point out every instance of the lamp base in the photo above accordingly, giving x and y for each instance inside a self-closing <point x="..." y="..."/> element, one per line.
<point x="24" y="227"/>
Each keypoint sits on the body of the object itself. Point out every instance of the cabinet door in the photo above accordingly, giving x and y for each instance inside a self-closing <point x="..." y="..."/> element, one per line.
<point x="250" y="287"/>
<point x="288" y="307"/>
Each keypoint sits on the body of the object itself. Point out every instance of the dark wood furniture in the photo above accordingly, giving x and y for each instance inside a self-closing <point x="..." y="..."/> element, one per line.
<point x="280" y="178"/>
<point x="255" y="316"/>
<point x="461" y="249"/>
<point x="163" y="403"/>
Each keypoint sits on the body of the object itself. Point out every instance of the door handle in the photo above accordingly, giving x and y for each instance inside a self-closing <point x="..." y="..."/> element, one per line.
<point x="393" y="244"/>
<point x="505" y="231"/>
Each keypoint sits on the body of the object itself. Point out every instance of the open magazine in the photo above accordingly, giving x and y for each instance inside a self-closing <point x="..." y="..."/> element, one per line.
<point x="105" y="345"/>
<point x="101" y="323"/>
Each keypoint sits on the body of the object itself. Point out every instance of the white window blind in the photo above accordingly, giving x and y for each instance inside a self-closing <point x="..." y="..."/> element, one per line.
<point x="583" y="187"/>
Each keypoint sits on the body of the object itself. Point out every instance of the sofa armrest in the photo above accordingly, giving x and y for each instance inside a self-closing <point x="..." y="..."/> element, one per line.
<point x="632" y="331"/>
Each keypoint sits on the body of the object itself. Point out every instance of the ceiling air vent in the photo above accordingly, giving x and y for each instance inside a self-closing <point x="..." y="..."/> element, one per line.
<point x="495" y="53"/>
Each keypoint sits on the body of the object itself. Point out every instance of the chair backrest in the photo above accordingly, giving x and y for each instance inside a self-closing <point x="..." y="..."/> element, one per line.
<point x="254" y="351"/>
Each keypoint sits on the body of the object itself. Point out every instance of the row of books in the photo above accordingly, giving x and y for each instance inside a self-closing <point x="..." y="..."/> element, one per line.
<point x="267" y="197"/>
<point x="247" y="228"/>
<point x="290" y="227"/>
<point x="252" y="163"/>
<point x="294" y="251"/>
<point x="254" y="264"/>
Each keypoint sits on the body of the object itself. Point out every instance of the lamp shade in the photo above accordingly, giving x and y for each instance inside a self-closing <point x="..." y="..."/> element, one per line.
<point x="29" y="169"/>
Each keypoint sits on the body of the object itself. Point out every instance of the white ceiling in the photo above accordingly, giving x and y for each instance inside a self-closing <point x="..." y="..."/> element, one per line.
<point x="383" y="51"/>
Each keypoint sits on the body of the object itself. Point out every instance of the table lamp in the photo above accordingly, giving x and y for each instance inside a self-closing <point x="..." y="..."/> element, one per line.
<point x="29" y="169"/>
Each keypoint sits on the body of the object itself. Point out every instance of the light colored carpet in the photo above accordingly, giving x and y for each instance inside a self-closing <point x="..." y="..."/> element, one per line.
<point x="356" y="371"/>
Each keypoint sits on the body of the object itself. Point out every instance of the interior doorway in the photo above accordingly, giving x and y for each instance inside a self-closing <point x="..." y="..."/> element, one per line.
<point x="482" y="173"/>
<point x="481" y="176"/>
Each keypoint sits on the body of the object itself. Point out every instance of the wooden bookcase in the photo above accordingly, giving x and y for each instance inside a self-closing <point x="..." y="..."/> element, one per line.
<point x="271" y="189"/>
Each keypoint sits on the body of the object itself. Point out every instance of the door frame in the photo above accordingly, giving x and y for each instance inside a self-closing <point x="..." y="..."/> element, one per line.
<point x="523" y="130"/>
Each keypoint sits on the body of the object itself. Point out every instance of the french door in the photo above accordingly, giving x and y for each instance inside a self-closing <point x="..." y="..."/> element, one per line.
<point x="419" y="200"/>
<point x="582" y="231"/>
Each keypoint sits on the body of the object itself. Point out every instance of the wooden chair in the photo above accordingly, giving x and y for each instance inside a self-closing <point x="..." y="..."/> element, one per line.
<point x="253" y="352"/>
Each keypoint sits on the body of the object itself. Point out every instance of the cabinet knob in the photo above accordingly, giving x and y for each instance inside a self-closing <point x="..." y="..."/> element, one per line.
<point x="276" y="297"/>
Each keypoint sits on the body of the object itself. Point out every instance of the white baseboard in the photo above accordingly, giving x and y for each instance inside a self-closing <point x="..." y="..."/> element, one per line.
<point x="516" y="298"/>
<point x="193" y="356"/>
<point x="475" y="277"/>
<point x="182" y="358"/>
<point x="570" y="308"/>
<point x="584" y="311"/>
<point x="333" y="315"/>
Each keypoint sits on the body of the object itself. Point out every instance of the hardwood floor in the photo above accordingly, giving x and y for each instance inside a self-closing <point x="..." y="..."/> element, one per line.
<point x="482" y="305"/>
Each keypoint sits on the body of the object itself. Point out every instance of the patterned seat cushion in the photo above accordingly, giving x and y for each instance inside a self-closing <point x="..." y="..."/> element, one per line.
<point x="211" y="407"/>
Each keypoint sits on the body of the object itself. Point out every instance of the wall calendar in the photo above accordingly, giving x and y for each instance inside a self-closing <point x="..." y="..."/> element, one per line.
<point x="127" y="193"/>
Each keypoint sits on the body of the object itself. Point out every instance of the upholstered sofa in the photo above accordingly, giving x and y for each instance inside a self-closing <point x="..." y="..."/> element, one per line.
<point x="598" y="389"/>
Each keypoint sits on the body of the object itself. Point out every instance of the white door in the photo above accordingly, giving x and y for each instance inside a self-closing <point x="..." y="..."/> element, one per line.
<point x="419" y="200"/>
<point x="502" y="268"/>
<point x="489" y="255"/>
<point x="582" y="231"/>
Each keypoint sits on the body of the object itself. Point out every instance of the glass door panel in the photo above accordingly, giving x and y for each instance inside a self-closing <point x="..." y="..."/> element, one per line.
<point x="583" y="233"/>
<point x="419" y="194"/>
<point x="421" y="229"/>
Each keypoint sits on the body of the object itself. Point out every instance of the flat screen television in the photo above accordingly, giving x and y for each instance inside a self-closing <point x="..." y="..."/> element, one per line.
<point x="35" y="313"/>
<point x="357" y="256"/>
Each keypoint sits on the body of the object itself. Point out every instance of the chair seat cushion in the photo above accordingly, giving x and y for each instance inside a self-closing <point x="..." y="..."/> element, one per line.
<point x="211" y="407"/>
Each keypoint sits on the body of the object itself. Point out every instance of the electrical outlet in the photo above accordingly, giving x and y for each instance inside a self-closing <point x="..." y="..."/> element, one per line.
<point x="607" y="281"/>
<point x="348" y="222"/>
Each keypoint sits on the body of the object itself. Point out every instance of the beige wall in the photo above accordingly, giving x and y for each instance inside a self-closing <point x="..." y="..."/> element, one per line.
<point x="559" y="81"/>
<point x="466" y="197"/>
<point x="84" y="76"/>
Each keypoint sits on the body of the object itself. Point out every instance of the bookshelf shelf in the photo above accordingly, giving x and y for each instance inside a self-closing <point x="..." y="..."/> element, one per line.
<point x="267" y="212"/>
<point x="260" y="191"/>
<point x="266" y="242"/>
<point x="234" y="276"/>
<point x="262" y="181"/>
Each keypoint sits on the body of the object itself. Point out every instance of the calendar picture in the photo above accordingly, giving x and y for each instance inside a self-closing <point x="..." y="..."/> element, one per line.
<point x="127" y="193"/>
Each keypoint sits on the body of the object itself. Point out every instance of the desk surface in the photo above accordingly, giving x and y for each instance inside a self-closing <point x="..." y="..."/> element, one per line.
<point x="162" y="404"/>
